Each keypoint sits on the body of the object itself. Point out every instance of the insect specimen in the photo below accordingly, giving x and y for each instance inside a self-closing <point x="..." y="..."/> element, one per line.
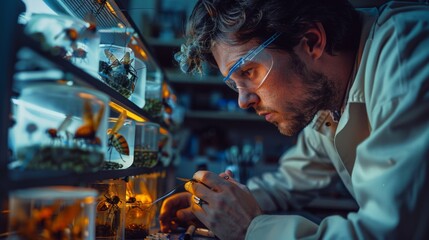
<point x="111" y="204"/>
<point x="51" y="222"/>
<point x="54" y="133"/>
<point x="115" y="139"/>
<point x="90" y="124"/>
<point x="119" y="74"/>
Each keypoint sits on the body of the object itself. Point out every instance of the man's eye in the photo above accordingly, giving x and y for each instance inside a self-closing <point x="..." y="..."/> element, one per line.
<point x="246" y="73"/>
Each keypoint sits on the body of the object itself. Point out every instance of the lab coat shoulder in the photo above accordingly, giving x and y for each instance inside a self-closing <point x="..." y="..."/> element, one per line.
<point x="390" y="174"/>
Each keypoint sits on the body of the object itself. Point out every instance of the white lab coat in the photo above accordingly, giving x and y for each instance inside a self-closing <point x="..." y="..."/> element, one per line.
<point x="379" y="149"/>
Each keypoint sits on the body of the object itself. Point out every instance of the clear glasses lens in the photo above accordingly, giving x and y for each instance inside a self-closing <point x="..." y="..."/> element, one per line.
<point x="250" y="71"/>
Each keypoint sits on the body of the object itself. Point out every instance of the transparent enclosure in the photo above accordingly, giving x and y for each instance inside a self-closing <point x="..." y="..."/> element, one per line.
<point x="120" y="144"/>
<point x="140" y="214"/>
<point x="52" y="213"/>
<point x="110" y="210"/>
<point x="153" y="95"/>
<point x="60" y="127"/>
<point x="117" y="68"/>
<point x="146" y="144"/>
<point x="138" y="97"/>
<point x="70" y="38"/>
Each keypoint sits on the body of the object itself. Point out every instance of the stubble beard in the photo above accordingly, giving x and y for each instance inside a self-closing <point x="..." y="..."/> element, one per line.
<point x="320" y="94"/>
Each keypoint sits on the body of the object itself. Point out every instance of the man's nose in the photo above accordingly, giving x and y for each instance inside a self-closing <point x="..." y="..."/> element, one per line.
<point x="246" y="99"/>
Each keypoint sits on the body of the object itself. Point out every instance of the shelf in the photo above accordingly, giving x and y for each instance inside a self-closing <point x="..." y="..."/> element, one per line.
<point x="25" y="179"/>
<point x="34" y="51"/>
<point x="224" y="115"/>
<point x="29" y="63"/>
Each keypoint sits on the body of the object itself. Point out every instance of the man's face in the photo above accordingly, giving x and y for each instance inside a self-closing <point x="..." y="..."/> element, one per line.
<point x="291" y="94"/>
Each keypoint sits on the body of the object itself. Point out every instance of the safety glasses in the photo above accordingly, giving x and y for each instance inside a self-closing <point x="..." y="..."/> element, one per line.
<point x="251" y="70"/>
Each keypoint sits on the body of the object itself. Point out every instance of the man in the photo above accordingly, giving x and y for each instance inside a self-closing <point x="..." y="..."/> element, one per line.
<point x="352" y="83"/>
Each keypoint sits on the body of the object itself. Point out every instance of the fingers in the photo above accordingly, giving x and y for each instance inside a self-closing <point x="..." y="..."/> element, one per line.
<point x="228" y="173"/>
<point x="210" y="180"/>
<point x="173" y="211"/>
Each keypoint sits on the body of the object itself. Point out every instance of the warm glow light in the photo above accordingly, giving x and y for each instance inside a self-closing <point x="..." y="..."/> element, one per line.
<point x="165" y="90"/>
<point x="130" y="114"/>
<point x="86" y="95"/>
<point x="133" y="116"/>
<point x="163" y="131"/>
<point x="110" y="8"/>
<point x="139" y="50"/>
<point x="144" y="198"/>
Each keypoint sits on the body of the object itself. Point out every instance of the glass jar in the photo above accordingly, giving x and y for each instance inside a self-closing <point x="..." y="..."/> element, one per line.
<point x="60" y="127"/>
<point x="146" y="144"/>
<point x="137" y="220"/>
<point x="110" y="210"/>
<point x="70" y="38"/>
<point x="52" y="213"/>
<point x="120" y="144"/>
<point x="140" y="213"/>
<point x="153" y="95"/>
<point x="138" y="97"/>
<point x="117" y="68"/>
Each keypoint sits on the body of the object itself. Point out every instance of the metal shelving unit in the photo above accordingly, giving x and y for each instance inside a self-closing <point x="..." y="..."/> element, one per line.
<point x="17" y="47"/>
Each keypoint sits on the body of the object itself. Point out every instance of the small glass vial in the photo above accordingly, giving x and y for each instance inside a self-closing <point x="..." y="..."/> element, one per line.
<point x="110" y="210"/>
<point x="146" y="144"/>
<point x="120" y="144"/>
<point x="52" y="213"/>
<point x="117" y="68"/>
<point x="70" y="38"/>
<point x="60" y="127"/>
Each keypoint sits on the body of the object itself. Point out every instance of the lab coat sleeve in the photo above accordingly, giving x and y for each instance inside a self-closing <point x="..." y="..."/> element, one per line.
<point x="391" y="173"/>
<point x="304" y="170"/>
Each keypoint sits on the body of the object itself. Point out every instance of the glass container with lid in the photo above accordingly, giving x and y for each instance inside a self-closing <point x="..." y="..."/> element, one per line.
<point x="117" y="68"/>
<point x="146" y="144"/>
<point x="70" y="38"/>
<point x="60" y="127"/>
<point x="110" y="210"/>
<point x="138" y="97"/>
<point x="61" y="212"/>
<point x="120" y="144"/>
<point x="153" y="94"/>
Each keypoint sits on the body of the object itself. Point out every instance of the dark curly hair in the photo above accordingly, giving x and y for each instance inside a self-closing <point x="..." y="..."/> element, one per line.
<point x="238" y="21"/>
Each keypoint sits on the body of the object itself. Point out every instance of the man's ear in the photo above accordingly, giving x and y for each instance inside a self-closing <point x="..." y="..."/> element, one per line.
<point x="314" y="41"/>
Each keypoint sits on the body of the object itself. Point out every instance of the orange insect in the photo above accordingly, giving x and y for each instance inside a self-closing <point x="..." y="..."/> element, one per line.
<point x="54" y="133"/>
<point x="90" y="124"/>
<point x="116" y="140"/>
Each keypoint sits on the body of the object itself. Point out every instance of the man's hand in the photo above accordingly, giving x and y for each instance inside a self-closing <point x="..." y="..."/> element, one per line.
<point x="227" y="208"/>
<point x="176" y="211"/>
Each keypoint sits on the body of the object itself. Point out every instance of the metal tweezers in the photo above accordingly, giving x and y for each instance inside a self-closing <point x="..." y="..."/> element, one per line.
<point x="175" y="189"/>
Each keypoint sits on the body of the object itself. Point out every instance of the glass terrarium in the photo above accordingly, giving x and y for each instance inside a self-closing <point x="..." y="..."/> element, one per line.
<point x="138" y="97"/>
<point x="60" y="127"/>
<point x="146" y="144"/>
<point x="153" y="104"/>
<point x="70" y="38"/>
<point x="120" y="144"/>
<point x="137" y="220"/>
<point x="117" y="68"/>
<point x="62" y="212"/>
<point x="140" y="214"/>
<point x="110" y="210"/>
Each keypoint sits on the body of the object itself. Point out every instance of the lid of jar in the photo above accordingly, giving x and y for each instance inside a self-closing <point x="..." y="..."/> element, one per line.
<point x="46" y="89"/>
